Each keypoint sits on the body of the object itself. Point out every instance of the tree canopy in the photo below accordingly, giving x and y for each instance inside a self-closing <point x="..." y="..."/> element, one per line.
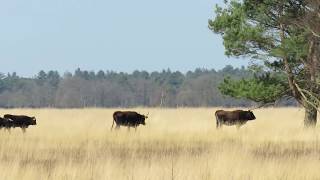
<point x="280" y="36"/>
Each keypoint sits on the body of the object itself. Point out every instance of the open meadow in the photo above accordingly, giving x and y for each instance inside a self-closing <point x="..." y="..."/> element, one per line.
<point x="76" y="144"/>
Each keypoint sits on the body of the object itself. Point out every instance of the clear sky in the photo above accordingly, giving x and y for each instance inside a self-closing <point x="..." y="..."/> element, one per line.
<point x="119" y="35"/>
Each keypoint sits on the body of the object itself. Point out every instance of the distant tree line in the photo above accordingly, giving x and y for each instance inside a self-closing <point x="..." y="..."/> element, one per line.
<point x="112" y="89"/>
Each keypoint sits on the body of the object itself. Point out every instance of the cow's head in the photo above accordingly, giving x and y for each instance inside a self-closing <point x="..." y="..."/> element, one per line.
<point x="250" y="116"/>
<point x="143" y="119"/>
<point x="146" y="116"/>
<point x="33" y="121"/>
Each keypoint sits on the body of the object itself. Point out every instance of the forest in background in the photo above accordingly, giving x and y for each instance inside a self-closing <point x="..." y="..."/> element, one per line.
<point x="198" y="88"/>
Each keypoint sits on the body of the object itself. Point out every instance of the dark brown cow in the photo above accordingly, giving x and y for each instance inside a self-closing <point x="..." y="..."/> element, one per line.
<point x="5" y="123"/>
<point x="237" y="117"/>
<point x="128" y="118"/>
<point x="19" y="121"/>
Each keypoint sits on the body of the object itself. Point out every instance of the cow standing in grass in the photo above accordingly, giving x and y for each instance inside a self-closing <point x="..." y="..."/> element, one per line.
<point x="128" y="118"/>
<point x="237" y="117"/>
<point x="6" y="123"/>
<point x="12" y="121"/>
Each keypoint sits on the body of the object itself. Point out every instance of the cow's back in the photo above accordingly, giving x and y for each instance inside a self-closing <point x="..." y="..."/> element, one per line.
<point x="236" y="117"/>
<point x="228" y="115"/>
<point x="20" y="119"/>
<point x="125" y="117"/>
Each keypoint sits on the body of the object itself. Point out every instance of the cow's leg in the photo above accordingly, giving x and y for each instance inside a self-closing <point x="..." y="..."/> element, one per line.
<point x="135" y="128"/>
<point x="128" y="128"/>
<point x="112" y="125"/>
<point x="23" y="129"/>
<point x="239" y="125"/>
<point x="8" y="129"/>
<point x="117" y="127"/>
<point x="219" y="123"/>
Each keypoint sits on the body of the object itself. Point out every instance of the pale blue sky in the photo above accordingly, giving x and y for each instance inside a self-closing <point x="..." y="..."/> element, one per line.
<point x="119" y="35"/>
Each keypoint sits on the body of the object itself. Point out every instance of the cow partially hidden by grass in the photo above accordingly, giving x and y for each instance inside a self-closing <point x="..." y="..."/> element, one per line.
<point x="237" y="117"/>
<point x="128" y="118"/>
<point x="5" y="123"/>
<point x="12" y="121"/>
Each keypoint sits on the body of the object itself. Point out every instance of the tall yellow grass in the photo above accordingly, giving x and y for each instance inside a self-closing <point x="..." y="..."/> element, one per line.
<point x="175" y="144"/>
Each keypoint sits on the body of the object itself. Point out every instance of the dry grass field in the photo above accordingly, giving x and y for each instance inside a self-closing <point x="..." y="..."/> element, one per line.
<point x="175" y="144"/>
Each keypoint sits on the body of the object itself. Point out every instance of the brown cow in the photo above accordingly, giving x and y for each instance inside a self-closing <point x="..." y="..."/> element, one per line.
<point x="237" y="117"/>
<point x="6" y="123"/>
<point x="19" y="121"/>
<point x="128" y="118"/>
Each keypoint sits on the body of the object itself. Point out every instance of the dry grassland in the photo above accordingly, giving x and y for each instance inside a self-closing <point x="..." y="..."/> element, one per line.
<point x="180" y="144"/>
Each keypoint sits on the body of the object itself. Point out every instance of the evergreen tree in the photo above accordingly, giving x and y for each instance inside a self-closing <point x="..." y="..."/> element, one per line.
<point x="269" y="31"/>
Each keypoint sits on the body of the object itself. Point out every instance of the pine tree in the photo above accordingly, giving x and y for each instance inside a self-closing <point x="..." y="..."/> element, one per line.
<point x="275" y="34"/>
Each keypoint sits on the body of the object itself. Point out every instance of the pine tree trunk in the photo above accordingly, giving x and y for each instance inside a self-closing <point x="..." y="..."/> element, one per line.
<point x="310" y="116"/>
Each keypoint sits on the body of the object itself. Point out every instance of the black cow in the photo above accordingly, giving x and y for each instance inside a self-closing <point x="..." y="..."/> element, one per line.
<point x="128" y="118"/>
<point x="237" y="117"/>
<point x="6" y="123"/>
<point x="19" y="121"/>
